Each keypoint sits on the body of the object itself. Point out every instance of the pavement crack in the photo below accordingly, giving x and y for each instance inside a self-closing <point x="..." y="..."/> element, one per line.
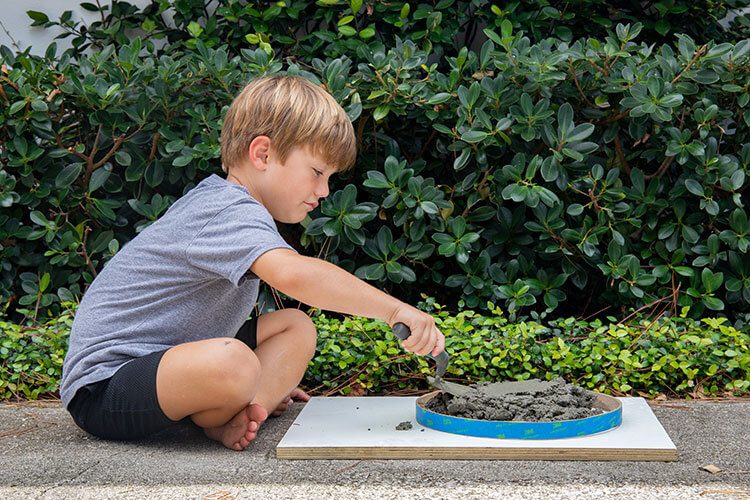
<point x="18" y="431"/>
<point x="81" y="473"/>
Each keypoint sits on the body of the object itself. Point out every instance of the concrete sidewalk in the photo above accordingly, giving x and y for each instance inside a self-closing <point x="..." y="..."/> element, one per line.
<point x="44" y="455"/>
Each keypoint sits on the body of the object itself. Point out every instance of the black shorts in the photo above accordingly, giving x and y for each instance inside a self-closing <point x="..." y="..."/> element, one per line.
<point x="125" y="406"/>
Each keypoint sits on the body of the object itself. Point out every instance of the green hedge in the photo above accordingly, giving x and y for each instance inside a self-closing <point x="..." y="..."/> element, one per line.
<point x="675" y="356"/>
<point x="563" y="176"/>
<point x="334" y="27"/>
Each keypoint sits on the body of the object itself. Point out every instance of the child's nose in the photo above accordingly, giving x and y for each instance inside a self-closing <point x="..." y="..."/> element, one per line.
<point x="322" y="190"/>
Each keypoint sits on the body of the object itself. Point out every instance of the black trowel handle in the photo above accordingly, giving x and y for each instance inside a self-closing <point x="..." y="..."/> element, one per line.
<point x="403" y="332"/>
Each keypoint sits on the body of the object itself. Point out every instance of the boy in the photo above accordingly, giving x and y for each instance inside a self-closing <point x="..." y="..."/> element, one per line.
<point x="160" y="334"/>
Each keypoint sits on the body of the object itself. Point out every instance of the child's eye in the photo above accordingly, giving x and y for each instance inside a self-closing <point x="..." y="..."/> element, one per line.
<point x="318" y="173"/>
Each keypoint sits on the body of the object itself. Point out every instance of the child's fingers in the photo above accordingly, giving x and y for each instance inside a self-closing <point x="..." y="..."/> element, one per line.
<point x="421" y="338"/>
<point x="429" y="343"/>
<point x="440" y="345"/>
<point x="424" y="338"/>
<point x="416" y="339"/>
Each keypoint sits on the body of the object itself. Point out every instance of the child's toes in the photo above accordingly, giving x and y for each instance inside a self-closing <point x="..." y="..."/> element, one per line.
<point x="256" y="413"/>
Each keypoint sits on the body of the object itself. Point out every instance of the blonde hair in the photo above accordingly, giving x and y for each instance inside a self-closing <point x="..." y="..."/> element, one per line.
<point x="292" y="112"/>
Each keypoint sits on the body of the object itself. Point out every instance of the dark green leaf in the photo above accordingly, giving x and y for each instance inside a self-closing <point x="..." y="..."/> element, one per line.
<point x="68" y="175"/>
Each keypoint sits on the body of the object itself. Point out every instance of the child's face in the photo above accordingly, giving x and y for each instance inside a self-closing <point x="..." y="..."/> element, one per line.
<point x="294" y="188"/>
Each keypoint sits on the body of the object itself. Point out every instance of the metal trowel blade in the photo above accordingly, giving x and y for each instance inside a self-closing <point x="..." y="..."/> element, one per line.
<point x="441" y="361"/>
<point x="450" y="387"/>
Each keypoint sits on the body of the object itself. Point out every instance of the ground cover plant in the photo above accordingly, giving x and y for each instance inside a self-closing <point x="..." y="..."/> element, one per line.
<point x="673" y="356"/>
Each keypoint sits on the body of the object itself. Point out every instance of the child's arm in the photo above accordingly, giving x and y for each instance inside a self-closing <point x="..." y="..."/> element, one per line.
<point x="327" y="286"/>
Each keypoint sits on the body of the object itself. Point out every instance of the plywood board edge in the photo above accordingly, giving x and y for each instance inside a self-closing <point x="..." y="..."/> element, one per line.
<point x="331" y="453"/>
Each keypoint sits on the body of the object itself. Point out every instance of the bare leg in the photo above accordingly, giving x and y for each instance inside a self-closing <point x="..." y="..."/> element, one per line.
<point x="213" y="381"/>
<point x="286" y="344"/>
<point x="227" y="388"/>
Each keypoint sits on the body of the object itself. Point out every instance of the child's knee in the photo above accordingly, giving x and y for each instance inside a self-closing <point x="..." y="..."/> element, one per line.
<point x="238" y="368"/>
<point x="305" y="332"/>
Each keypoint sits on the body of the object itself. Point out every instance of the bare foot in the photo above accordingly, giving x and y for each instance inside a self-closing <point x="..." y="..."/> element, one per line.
<point x="239" y="432"/>
<point x="297" y="394"/>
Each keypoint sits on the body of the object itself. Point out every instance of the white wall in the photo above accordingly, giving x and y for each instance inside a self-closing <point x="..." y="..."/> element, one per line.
<point x="732" y="14"/>
<point x="17" y="23"/>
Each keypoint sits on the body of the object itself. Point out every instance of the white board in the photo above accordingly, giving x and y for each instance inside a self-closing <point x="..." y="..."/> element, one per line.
<point x="365" y="427"/>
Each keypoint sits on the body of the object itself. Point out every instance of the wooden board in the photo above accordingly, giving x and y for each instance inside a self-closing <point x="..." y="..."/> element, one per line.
<point x="365" y="427"/>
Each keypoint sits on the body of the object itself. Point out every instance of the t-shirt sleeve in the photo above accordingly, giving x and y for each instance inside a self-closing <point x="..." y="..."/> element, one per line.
<point x="229" y="244"/>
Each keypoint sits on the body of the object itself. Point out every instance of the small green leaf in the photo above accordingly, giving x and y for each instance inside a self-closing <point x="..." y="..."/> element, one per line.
<point x="565" y="116"/>
<point x="366" y="33"/>
<point x="98" y="178"/>
<point x="662" y="26"/>
<point x="439" y="98"/>
<point x="462" y="159"/>
<point x="694" y="187"/>
<point x="575" y="209"/>
<point x="506" y="28"/>
<point x="381" y="112"/>
<point x="473" y="136"/>
<point x="37" y="17"/>
<point x="148" y="25"/>
<point x="39" y="105"/>
<point x="16" y="107"/>
<point x="68" y="175"/>
<point x="181" y="161"/>
<point x="345" y="20"/>
<point x="714" y="303"/>
<point x="44" y="282"/>
<point x="194" y="29"/>
<point x="493" y="36"/>
<point x="123" y="158"/>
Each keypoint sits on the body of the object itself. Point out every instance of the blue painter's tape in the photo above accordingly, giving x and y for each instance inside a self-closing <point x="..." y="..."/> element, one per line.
<point x="611" y="418"/>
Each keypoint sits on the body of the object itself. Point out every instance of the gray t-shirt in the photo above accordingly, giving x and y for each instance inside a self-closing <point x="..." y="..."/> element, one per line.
<point x="184" y="278"/>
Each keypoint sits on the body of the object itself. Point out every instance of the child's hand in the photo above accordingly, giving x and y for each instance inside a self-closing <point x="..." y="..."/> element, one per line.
<point x="425" y="337"/>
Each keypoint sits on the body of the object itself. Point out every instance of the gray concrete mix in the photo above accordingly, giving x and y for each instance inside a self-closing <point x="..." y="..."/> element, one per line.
<point x="44" y="455"/>
<point x="527" y="400"/>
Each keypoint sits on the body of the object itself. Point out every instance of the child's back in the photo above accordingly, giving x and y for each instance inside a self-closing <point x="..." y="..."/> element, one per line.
<point x="184" y="278"/>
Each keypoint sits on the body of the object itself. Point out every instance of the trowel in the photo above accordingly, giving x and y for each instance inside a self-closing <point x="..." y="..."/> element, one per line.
<point x="403" y="332"/>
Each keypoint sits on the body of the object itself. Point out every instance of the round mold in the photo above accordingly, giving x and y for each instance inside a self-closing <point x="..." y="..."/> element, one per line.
<point x="511" y="429"/>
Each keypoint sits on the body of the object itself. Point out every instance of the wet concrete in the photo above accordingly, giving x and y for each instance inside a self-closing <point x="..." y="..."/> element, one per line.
<point x="529" y="401"/>
<point x="404" y="426"/>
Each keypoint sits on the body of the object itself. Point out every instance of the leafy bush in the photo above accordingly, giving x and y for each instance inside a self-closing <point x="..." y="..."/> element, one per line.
<point x="550" y="176"/>
<point x="336" y="27"/>
<point x="676" y="356"/>
<point x="31" y="357"/>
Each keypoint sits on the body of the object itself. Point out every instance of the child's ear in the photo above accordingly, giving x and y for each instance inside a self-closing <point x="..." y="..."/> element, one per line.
<point x="259" y="151"/>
